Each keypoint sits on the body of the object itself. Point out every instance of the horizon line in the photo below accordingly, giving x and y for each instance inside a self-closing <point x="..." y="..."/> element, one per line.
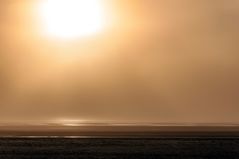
<point x="156" y="124"/>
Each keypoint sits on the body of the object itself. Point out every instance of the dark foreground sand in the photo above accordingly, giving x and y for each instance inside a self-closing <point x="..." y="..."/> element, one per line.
<point x="120" y="148"/>
<point x="119" y="142"/>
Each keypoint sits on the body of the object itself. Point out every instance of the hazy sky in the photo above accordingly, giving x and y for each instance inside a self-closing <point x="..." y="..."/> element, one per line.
<point x="159" y="61"/>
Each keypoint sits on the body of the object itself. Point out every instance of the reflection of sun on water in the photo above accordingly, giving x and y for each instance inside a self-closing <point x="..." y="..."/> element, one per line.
<point x="72" y="18"/>
<point x="71" y="122"/>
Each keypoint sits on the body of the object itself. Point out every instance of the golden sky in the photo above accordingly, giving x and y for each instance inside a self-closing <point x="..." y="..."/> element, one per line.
<point x="155" y="61"/>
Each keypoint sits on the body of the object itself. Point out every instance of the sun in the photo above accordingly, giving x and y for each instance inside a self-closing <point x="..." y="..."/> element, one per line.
<point x="72" y="18"/>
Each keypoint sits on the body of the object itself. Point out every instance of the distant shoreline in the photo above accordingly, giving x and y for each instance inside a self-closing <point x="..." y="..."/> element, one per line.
<point x="117" y="131"/>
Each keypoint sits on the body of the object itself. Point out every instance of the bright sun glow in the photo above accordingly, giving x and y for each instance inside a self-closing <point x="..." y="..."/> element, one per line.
<point x="72" y="18"/>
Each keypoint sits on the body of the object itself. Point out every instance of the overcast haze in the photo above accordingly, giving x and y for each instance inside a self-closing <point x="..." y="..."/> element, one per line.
<point x="159" y="61"/>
